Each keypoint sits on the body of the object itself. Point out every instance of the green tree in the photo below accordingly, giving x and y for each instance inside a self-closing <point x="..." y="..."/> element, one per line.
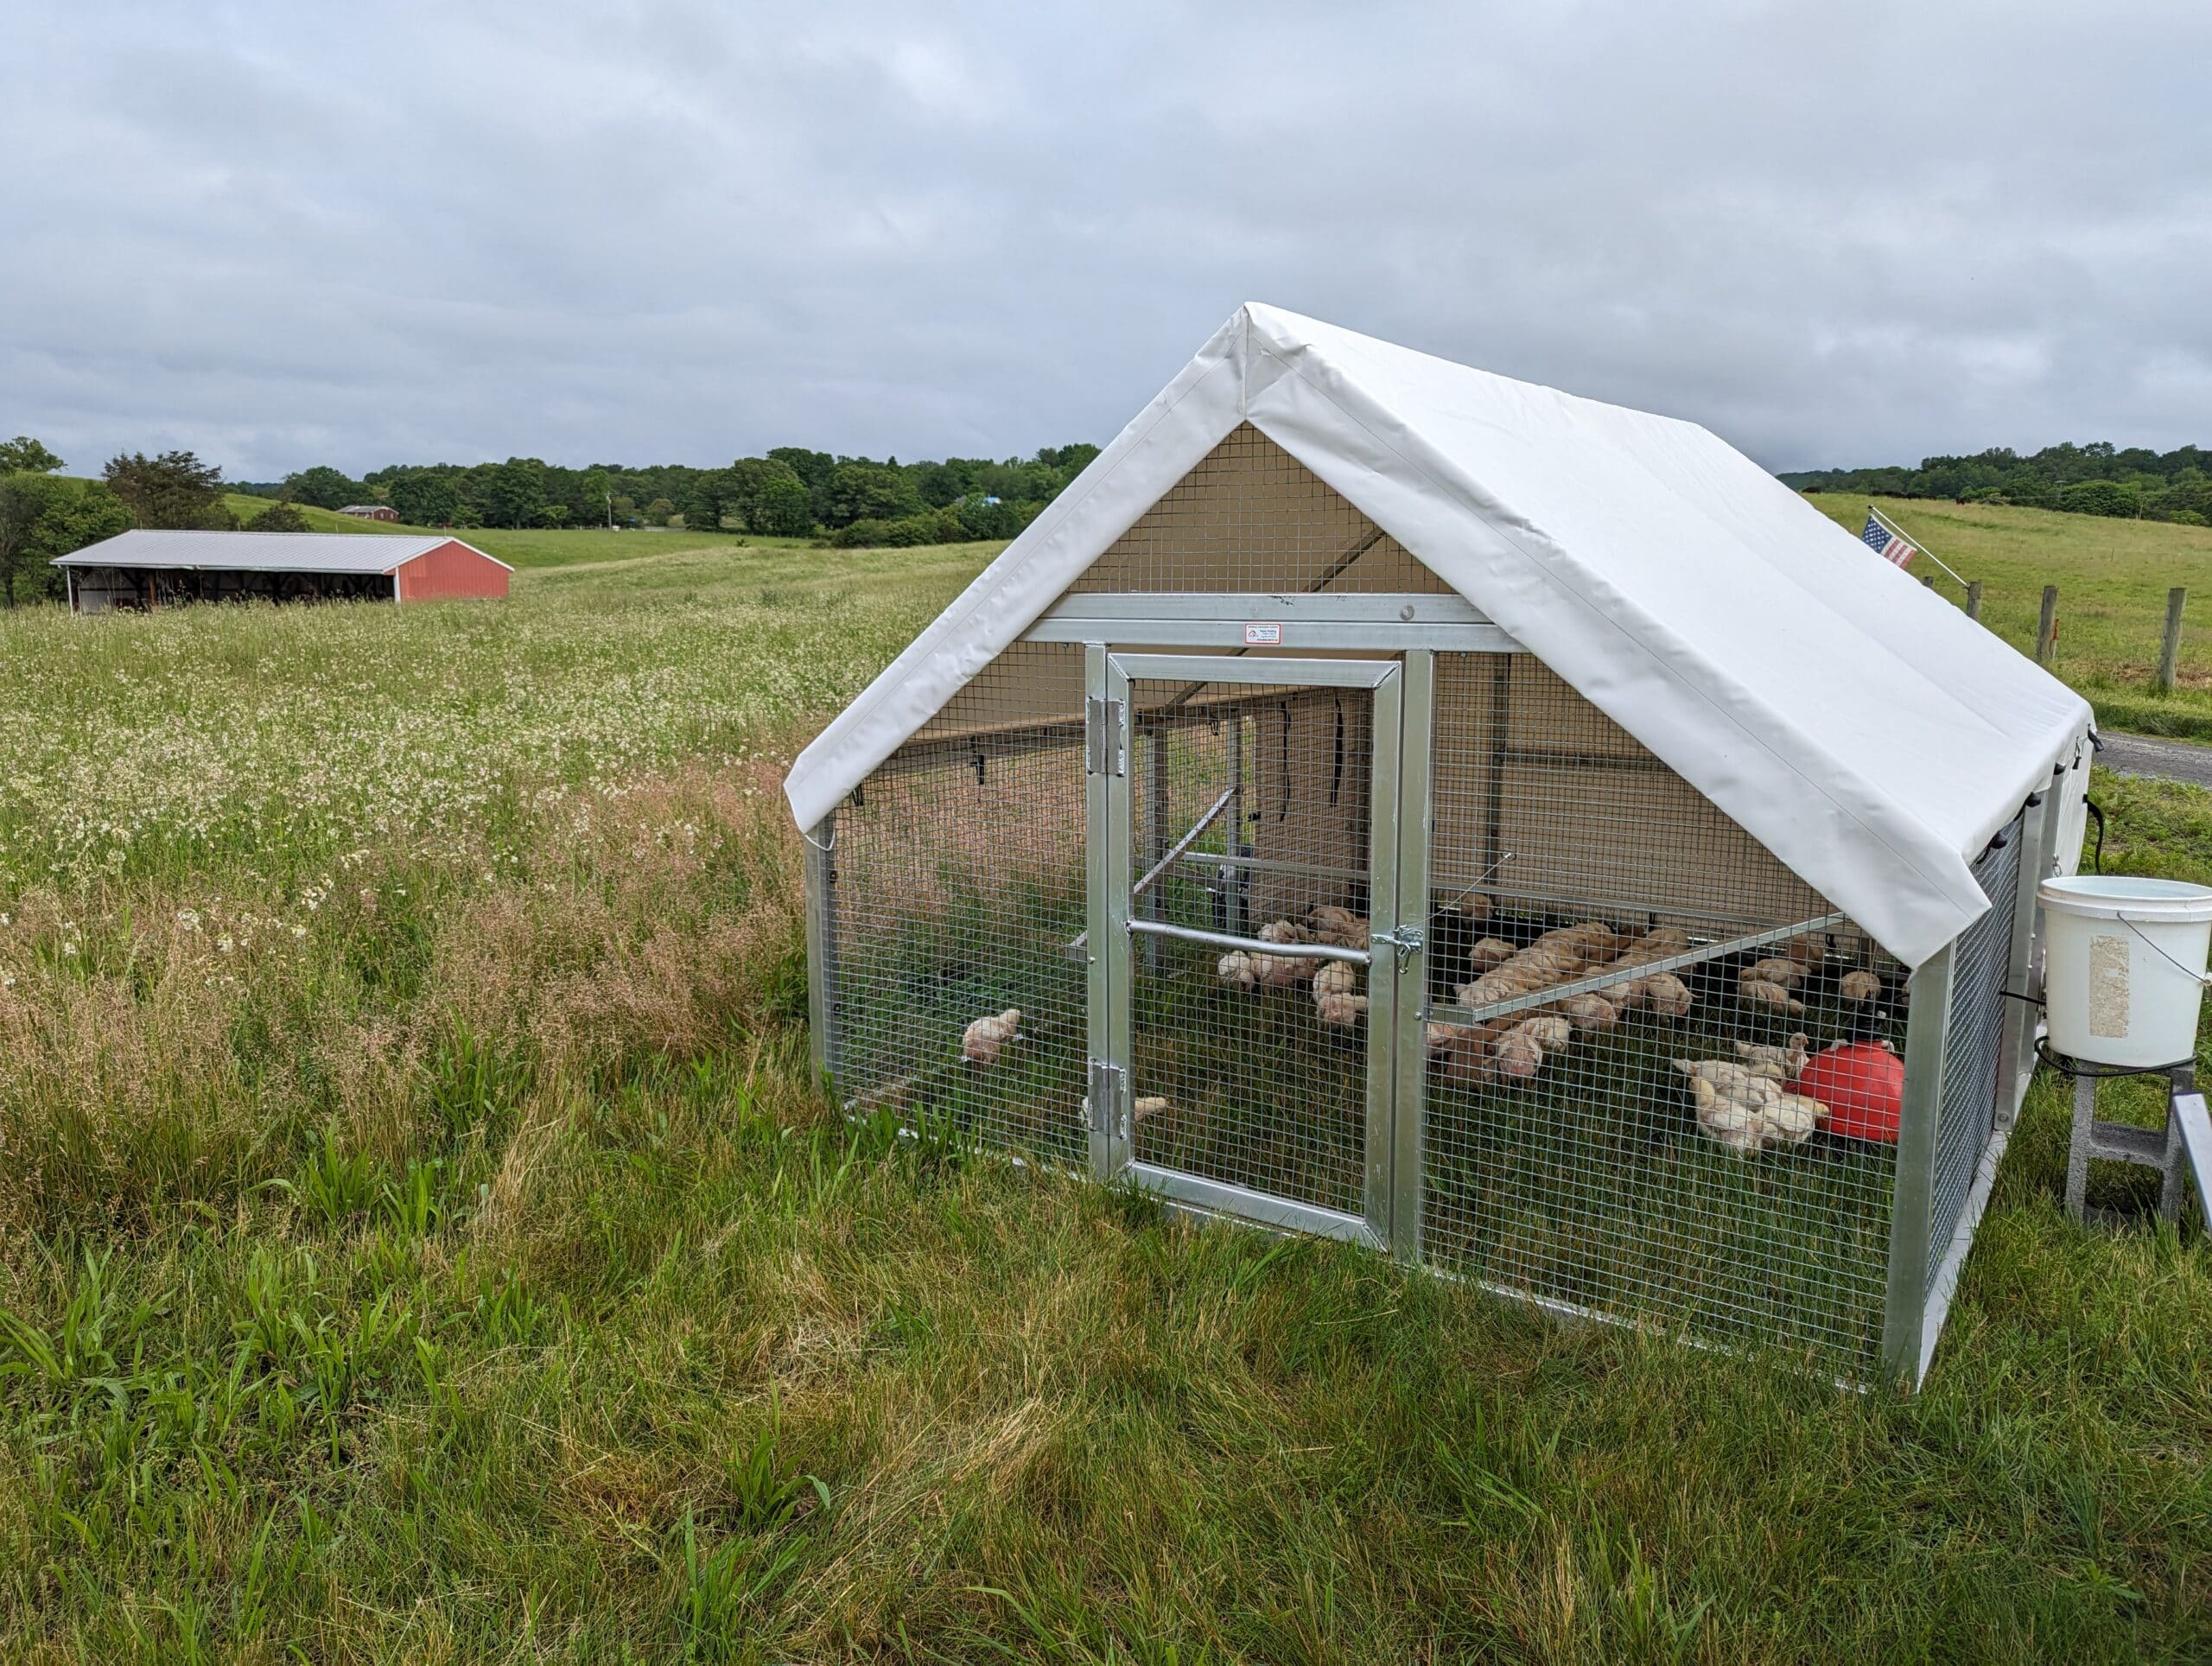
<point x="513" y="493"/>
<point x="769" y="497"/>
<point x="659" y="511"/>
<point x="783" y="509"/>
<point x="24" y="455"/>
<point x="706" y="502"/>
<point x="324" y="487"/>
<point x="175" y="490"/>
<point x="2100" y="498"/>
<point x="867" y="491"/>
<point x="43" y="517"/>
<point x="423" y="497"/>
<point x="280" y="516"/>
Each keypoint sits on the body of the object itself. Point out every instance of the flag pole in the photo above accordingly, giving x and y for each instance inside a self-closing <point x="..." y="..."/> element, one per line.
<point x="1898" y="532"/>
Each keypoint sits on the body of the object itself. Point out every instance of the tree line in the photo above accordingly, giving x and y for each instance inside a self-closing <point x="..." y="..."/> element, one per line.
<point x="2097" y="479"/>
<point x="789" y="492"/>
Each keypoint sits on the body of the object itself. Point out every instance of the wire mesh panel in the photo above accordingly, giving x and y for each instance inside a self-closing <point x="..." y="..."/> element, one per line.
<point x="1250" y="517"/>
<point x="1248" y="1065"/>
<point x="957" y="887"/>
<point x="1973" y="1035"/>
<point x="1640" y="1149"/>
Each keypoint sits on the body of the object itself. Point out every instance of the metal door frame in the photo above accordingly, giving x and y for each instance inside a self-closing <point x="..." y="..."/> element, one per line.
<point x="1112" y="930"/>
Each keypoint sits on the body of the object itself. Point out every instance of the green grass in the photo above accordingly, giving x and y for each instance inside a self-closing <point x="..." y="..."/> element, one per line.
<point x="419" y="1240"/>
<point x="2113" y="577"/>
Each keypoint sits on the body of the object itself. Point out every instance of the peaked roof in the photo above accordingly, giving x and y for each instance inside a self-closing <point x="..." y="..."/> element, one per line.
<point x="1860" y="726"/>
<point x="266" y="552"/>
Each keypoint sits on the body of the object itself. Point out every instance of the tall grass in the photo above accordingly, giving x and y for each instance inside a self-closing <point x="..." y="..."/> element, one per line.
<point x="420" y="1239"/>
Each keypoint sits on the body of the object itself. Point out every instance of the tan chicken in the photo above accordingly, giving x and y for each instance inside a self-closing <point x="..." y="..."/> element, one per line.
<point x="1746" y="1112"/>
<point x="1859" y="986"/>
<point x="1776" y="996"/>
<point x="1779" y="1062"/>
<point x="987" y="1035"/>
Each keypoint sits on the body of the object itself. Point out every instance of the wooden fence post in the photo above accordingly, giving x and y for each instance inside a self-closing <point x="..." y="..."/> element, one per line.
<point x="1973" y="599"/>
<point x="2170" y="648"/>
<point x="2047" y="627"/>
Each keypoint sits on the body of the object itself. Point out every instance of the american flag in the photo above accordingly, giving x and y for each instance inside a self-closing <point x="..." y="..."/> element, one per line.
<point x="1886" y="544"/>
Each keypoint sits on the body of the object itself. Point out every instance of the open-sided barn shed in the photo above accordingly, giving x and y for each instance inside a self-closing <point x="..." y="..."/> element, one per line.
<point x="1385" y="799"/>
<point x="143" y="569"/>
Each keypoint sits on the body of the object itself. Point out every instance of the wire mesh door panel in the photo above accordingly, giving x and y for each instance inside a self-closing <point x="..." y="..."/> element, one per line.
<point x="1260" y="837"/>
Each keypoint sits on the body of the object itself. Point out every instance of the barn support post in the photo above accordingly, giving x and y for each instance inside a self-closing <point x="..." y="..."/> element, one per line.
<point x="1905" y="1304"/>
<point x="820" y="947"/>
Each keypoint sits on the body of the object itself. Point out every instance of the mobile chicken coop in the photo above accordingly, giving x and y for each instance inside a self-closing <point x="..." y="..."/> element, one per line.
<point x="1384" y="799"/>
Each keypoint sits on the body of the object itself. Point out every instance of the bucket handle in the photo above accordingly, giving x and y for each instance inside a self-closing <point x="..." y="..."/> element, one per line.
<point x="2202" y="979"/>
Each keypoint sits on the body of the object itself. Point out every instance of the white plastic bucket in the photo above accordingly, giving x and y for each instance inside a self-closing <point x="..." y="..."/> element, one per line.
<point x="2123" y="967"/>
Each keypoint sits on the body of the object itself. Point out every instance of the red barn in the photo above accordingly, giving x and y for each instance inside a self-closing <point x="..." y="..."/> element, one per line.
<point x="145" y="569"/>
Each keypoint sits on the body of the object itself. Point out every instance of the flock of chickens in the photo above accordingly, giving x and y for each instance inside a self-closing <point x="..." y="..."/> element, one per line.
<point x="1744" y="1104"/>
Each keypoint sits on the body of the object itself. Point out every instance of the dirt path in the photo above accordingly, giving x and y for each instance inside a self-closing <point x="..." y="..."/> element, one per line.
<point x="2161" y="759"/>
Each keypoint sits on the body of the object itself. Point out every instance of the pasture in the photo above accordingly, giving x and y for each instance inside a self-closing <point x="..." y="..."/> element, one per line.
<point x="2113" y="577"/>
<point x="420" y="1240"/>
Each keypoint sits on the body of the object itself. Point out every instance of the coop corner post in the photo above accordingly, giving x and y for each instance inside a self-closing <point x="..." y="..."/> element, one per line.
<point x="1905" y="1304"/>
<point x="1106" y="821"/>
<point x="822" y="950"/>
<point x="1416" y="828"/>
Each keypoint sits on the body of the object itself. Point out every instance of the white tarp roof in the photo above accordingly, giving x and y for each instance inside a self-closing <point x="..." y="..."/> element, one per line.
<point x="1862" y="728"/>
<point x="265" y="552"/>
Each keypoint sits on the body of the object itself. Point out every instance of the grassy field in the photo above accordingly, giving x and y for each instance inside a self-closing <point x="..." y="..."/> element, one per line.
<point x="539" y="546"/>
<point x="419" y="1241"/>
<point x="2113" y="577"/>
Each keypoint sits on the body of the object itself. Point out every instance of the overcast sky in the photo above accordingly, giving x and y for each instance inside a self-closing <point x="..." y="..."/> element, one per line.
<point x="1839" y="233"/>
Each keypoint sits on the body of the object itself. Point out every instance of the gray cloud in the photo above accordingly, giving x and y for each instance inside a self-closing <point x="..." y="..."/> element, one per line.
<point x="680" y="231"/>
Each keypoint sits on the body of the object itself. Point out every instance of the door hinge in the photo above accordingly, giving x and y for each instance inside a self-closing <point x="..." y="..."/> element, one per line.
<point x="1108" y="1103"/>
<point x="1102" y="735"/>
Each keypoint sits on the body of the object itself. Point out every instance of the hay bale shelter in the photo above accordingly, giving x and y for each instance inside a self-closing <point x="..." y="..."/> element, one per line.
<point x="1347" y="802"/>
<point x="144" y="570"/>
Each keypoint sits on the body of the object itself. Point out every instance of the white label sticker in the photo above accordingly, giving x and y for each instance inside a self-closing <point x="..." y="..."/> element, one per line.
<point x="1262" y="636"/>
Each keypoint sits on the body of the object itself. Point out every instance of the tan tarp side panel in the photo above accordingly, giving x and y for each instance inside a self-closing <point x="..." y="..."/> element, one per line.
<point x="1248" y="517"/>
<point x="1557" y="806"/>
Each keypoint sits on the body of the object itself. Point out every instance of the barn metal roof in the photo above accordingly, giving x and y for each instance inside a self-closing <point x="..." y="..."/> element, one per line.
<point x="266" y="552"/>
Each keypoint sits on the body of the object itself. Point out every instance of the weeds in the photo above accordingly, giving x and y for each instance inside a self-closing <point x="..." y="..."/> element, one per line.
<point x="477" y="1273"/>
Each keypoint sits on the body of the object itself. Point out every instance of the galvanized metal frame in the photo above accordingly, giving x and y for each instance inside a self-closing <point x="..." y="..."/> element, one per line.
<point x="1113" y="929"/>
<point x="1379" y="623"/>
<point x="1905" y="1305"/>
<point x="1411" y="628"/>
<point x="2023" y="981"/>
<point x="1106" y="813"/>
<point x="822" y="950"/>
<point x="1416" y="812"/>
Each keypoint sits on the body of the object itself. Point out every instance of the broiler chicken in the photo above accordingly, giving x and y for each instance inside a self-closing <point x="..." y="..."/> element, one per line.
<point x="985" y="1038"/>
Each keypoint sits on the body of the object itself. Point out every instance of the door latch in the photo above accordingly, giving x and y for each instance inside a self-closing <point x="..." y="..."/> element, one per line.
<point x="1406" y="939"/>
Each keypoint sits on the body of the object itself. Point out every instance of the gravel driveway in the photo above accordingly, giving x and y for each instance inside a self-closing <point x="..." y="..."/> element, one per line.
<point x="2162" y="759"/>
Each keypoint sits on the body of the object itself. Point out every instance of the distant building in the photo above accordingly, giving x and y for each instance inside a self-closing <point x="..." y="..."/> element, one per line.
<point x="143" y="570"/>
<point x="370" y="512"/>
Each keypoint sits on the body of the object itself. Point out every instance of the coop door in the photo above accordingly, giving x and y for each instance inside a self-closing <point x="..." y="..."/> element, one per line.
<point x="1244" y="860"/>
